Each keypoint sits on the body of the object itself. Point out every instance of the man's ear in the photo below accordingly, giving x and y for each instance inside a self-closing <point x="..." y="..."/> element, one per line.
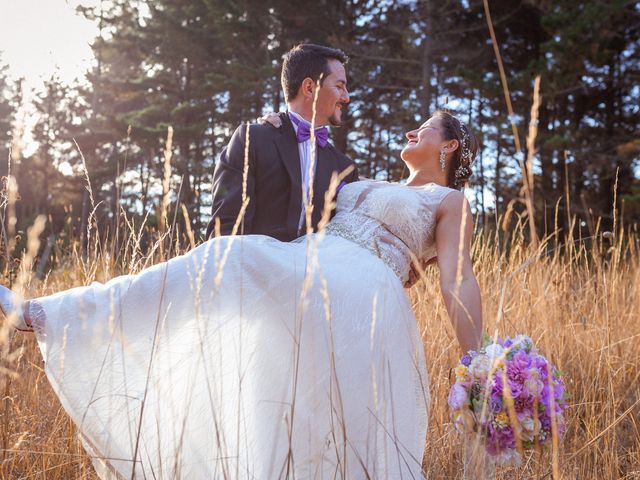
<point x="306" y="88"/>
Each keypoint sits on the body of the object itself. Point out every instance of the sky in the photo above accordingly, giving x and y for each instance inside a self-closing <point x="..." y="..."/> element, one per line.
<point x="38" y="37"/>
<point x="41" y="37"/>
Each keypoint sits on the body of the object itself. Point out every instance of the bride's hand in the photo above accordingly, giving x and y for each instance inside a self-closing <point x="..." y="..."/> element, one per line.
<point x="272" y="118"/>
<point x="416" y="272"/>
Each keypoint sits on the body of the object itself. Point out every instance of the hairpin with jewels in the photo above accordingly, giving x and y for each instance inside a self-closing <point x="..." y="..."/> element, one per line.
<point x="463" y="172"/>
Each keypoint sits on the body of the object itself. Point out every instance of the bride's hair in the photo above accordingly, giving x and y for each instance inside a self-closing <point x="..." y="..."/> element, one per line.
<point x="464" y="155"/>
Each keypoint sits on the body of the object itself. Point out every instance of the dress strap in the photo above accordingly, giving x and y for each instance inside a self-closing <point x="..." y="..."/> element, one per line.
<point x="437" y="193"/>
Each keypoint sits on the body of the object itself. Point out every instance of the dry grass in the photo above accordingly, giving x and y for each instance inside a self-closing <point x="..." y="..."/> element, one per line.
<point x="579" y="302"/>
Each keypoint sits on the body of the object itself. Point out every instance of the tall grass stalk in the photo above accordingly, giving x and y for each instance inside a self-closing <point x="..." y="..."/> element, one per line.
<point x="578" y="302"/>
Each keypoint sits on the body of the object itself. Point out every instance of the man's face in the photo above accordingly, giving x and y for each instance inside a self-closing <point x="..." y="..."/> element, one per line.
<point x="332" y="96"/>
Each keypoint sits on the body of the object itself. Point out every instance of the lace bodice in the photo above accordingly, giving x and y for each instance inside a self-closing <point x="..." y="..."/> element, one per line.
<point x="395" y="222"/>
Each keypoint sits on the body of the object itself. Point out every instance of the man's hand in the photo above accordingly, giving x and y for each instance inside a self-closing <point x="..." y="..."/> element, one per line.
<point x="272" y="118"/>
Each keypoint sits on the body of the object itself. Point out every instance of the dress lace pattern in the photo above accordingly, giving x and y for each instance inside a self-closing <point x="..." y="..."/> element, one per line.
<point x="394" y="222"/>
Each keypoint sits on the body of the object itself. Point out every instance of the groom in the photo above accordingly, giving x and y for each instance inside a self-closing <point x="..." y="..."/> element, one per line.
<point x="279" y="158"/>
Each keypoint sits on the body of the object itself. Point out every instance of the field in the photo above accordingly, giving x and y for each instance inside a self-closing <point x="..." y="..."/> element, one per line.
<point x="578" y="300"/>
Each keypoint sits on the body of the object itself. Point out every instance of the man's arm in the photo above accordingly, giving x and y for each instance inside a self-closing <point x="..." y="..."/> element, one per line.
<point x="353" y="176"/>
<point x="228" y="186"/>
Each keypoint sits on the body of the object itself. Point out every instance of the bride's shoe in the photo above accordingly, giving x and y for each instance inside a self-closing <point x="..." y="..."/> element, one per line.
<point x="12" y="306"/>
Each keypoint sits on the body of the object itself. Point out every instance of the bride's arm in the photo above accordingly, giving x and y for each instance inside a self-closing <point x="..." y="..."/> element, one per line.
<point x="458" y="283"/>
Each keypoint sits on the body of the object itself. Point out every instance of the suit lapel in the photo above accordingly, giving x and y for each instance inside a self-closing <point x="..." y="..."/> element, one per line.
<point x="287" y="146"/>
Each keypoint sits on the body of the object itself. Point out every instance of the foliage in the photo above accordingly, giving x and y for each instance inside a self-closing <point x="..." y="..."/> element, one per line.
<point x="204" y="66"/>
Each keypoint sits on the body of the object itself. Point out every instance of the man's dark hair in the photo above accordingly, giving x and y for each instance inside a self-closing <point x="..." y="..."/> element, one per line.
<point x="307" y="60"/>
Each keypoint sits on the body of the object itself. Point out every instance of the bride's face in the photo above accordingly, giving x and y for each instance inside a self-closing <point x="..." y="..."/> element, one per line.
<point x="424" y="142"/>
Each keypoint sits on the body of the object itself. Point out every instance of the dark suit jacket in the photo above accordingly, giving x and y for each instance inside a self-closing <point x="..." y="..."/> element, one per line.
<point x="273" y="182"/>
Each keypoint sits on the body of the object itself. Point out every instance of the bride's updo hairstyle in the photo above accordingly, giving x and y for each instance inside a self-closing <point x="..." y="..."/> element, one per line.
<point x="462" y="158"/>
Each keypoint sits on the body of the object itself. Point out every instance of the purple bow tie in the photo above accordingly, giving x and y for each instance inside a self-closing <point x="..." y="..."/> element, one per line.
<point x="304" y="132"/>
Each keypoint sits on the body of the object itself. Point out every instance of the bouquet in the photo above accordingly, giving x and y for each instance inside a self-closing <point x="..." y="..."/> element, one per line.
<point x="511" y="395"/>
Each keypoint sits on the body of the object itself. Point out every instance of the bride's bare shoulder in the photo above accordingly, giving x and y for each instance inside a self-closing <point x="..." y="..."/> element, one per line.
<point x="453" y="204"/>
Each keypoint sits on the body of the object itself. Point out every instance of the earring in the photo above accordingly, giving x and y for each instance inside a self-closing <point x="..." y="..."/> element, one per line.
<point x="442" y="164"/>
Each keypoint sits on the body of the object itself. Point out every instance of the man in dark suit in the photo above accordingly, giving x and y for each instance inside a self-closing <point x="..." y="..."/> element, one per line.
<point x="279" y="159"/>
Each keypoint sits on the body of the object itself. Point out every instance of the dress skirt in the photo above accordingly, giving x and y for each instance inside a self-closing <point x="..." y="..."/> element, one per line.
<point x="246" y="358"/>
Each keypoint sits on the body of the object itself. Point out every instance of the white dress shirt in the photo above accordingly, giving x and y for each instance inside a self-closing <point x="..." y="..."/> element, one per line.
<point x="304" y="148"/>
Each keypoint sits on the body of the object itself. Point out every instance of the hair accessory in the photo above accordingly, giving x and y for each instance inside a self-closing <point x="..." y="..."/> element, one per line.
<point x="465" y="152"/>
<point x="463" y="172"/>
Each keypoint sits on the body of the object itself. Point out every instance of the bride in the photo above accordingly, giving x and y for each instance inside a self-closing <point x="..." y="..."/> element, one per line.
<point x="252" y="358"/>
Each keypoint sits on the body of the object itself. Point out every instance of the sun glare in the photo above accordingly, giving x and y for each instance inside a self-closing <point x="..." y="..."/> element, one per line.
<point x="41" y="37"/>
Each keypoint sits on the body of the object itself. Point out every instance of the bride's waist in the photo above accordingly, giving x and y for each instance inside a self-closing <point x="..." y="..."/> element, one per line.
<point x="377" y="239"/>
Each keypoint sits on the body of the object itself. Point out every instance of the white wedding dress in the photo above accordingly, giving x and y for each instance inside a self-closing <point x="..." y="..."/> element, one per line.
<point x="256" y="359"/>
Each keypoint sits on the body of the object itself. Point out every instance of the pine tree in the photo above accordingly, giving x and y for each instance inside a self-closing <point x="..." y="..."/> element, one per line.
<point x="204" y="66"/>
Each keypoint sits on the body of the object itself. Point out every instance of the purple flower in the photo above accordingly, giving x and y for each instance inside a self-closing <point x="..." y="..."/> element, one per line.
<point x="541" y="364"/>
<point x="523" y="403"/>
<point x="496" y="404"/>
<point x="458" y="397"/>
<point x="535" y="387"/>
<point x="545" y="421"/>
<point x="545" y="397"/>
<point x="497" y="386"/>
<point x="518" y="366"/>
<point x="558" y="391"/>
<point x="516" y="388"/>
<point x="466" y="360"/>
<point x="518" y="373"/>
<point x="499" y="439"/>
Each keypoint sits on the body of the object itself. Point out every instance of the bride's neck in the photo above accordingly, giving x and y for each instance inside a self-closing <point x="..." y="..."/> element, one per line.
<point x="422" y="177"/>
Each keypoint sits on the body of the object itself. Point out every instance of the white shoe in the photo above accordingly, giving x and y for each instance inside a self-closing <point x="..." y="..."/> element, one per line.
<point x="11" y="305"/>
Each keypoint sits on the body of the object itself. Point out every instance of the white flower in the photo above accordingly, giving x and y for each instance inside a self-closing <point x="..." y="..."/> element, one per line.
<point x="534" y="386"/>
<point x="528" y="428"/>
<point x="509" y="457"/>
<point x="480" y="367"/>
<point x="494" y="350"/>
<point x="523" y="342"/>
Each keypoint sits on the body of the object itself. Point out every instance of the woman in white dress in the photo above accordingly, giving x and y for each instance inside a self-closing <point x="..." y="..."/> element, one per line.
<point x="252" y="358"/>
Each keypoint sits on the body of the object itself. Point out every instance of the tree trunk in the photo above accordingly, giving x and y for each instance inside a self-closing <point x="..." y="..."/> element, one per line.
<point x="427" y="60"/>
